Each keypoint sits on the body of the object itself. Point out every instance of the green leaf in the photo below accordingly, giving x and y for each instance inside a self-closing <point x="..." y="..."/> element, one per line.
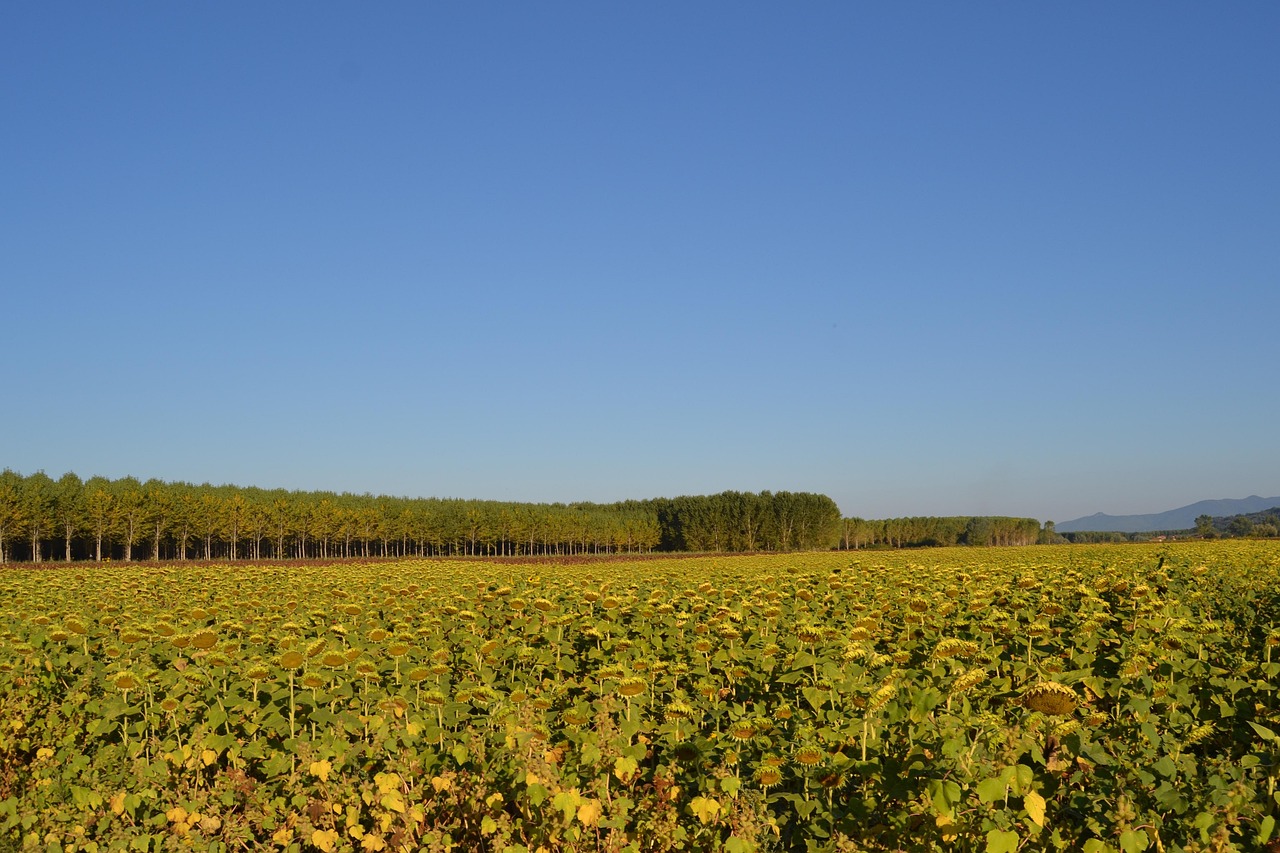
<point x="736" y="845"/>
<point x="1002" y="841"/>
<point x="1263" y="732"/>
<point x="991" y="790"/>
<point x="1133" y="841"/>
<point x="85" y="798"/>
<point x="1265" y="828"/>
<point x="624" y="768"/>
<point x="1022" y="778"/>
<point x="946" y="796"/>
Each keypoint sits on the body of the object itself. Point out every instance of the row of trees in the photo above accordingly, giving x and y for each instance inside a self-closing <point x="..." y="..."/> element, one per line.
<point x="942" y="531"/>
<point x="73" y="519"/>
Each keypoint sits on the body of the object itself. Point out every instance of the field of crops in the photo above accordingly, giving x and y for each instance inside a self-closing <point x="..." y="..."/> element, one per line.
<point x="1043" y="698"/>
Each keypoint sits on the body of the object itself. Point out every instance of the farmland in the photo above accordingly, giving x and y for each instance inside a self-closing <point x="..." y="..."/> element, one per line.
<point x="1046" y="698"/>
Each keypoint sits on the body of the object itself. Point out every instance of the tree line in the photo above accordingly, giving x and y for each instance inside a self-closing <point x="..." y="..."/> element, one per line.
<point x="43" y="519"/>
<point x="942" y="531"/>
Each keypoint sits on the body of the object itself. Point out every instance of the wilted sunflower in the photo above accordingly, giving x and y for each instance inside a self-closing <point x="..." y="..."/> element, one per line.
<point x="810" y="635"/>
<point x="881" y="697"/>
<point x="203" y="640"/>
<point x="576" y="717"/>
<point x="125" y="681"/>
<point x="1052" y="698"/>
<point x="631" y="686"/>
<point x="952" y="647"/>
<point x="768" y="777"/>
<point x="808" y="756"/>
<point x="831" y="777"/>
<point x="677" y="710"/>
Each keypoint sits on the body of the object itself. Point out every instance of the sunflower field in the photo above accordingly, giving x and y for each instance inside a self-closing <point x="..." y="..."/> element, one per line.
<point x="1044" y="698"/>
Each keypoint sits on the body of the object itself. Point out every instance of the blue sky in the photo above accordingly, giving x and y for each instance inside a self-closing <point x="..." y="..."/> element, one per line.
<point x="926" y="258"/>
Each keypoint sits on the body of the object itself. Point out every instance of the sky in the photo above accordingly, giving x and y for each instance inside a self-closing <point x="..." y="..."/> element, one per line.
<point x="927" y="258"/>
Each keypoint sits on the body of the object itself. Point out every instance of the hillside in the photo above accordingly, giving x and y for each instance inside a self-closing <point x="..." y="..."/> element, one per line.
<point x="1182" y="518"/>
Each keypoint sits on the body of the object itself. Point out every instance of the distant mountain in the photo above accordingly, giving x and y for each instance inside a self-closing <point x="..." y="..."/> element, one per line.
<point x="1182" y="518"/>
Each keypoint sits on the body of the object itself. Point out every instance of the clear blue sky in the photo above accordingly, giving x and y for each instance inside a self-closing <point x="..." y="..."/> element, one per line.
<point x="926" y="258"/>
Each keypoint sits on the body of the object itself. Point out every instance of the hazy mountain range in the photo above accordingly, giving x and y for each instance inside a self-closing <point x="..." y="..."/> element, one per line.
<point x="1182" y="518"/>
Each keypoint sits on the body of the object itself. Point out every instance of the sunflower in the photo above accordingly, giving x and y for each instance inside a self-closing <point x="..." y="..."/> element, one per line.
<point x="808" y="756"/>
<point x="1051" y="698"/>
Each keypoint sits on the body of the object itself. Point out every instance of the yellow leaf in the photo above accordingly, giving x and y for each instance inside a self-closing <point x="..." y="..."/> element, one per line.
<point x="1034" y="804"/>
<point x="393" y="802"/>
<point x="441" y="784"/>
<point x="414" y="729"/>
<point x="325" y="839"/>
<point x="373" y="842"/>
<point x="208" y="757"/>
<point x="355" y="831"/>
<point x="625" y="769"/>
<point x="282" y="836"/>
<point x="387" y="782"/>
<point x="321" y="770"/>
<point x="948" y="827"/>
<point x="704" y="808"/>
<point x="589" y="812"/>
<point x="117" y="803"/>
<point x="532" y="779"/>
<point x="493" y="800"/>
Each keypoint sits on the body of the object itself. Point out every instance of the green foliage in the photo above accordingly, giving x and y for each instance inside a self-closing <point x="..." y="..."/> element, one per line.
<point x="941" y="531"/>
<point x="103" y="519"/>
